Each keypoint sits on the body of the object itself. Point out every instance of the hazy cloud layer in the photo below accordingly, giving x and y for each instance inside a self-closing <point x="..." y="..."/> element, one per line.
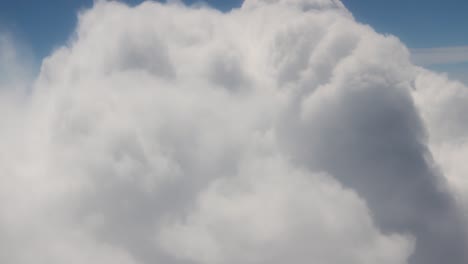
<point x="444" y="55"/>
<point x="280" y="132"/>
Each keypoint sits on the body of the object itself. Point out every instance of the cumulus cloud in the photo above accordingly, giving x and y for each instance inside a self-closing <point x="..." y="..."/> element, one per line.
<point x="281" y="131"/>
<point x="443" y="111"/>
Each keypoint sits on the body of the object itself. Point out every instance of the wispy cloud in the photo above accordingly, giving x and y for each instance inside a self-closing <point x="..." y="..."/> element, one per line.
<point x="442" y="55"/>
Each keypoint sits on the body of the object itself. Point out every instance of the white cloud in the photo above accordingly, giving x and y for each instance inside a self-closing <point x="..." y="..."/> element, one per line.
<point x="443" y="55"/>
<point x="443" y="107"/>
<point x="282" y="131"/>
<point x="271" y="213"/>
<point x="447" y="60"/>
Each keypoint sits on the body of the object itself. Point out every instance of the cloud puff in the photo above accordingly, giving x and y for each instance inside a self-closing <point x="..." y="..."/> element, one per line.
<point x="271" y="213"/>
<point x="281" y="131"/>
<point x="442" y="104"/>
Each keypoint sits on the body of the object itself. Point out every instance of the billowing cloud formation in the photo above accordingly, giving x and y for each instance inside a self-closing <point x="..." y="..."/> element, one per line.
<point x="280" y="132"/>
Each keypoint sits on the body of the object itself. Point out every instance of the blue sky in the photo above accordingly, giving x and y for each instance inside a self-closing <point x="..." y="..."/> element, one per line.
<point x="44" y="25"/>
<point x="418" y="23"/>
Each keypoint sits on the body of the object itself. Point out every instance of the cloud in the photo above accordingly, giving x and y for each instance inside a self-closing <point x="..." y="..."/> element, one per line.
<point x="443" y="55"/>
<point x="276" y="214"/>
<point x="281" y="131"/>
<point x="16" y="63"/>
<point x="448" y="60"/>
<point x="442" y="105"/>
